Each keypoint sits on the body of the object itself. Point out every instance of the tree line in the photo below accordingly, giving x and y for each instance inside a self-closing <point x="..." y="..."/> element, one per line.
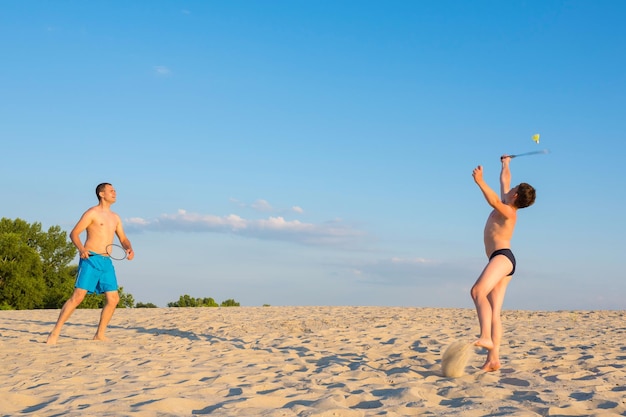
<point x="36" y="271"/>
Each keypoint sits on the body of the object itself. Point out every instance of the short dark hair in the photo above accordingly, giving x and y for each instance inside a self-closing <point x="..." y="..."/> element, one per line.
<point x="100" y="188"/>
<point x="525" y="195"/>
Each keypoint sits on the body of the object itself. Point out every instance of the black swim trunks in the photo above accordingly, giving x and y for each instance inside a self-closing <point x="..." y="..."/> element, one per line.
<point x="508" y="254"/>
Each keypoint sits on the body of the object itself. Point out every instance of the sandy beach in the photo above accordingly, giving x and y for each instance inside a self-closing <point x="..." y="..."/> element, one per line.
<point x="309" y="361"/>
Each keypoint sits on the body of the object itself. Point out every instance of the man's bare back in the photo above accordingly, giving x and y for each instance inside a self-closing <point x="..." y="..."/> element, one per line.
<point x="498" y="232"/>
<point x="501" y="222"/>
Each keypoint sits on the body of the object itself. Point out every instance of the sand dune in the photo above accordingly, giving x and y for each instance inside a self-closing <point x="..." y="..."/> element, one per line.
<point x="309" y="362"/>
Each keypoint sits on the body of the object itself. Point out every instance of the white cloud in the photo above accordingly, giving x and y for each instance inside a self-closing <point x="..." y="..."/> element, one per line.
<point x="137" y="221"/>
<point x="237" y="202"/>
<point x="162" y="71"/>
<point x="262" y="205"/>
<point x="412" y="261"/>
<point x="271" y="228"/>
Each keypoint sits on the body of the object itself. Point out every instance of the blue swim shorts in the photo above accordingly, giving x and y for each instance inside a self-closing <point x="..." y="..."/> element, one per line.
<point x="96" y="274"/>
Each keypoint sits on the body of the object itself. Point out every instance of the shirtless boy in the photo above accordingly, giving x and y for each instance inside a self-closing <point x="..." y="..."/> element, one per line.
<point x="488" y="291"/>
<point x="95" y="269"/>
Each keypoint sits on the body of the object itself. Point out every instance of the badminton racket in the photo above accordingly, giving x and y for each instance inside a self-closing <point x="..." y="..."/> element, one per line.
<point x="543" y="152"/>
<point x="115" y="251"/>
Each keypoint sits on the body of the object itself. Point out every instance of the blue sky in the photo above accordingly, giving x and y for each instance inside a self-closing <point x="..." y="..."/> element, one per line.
<point x="320" y="152"/>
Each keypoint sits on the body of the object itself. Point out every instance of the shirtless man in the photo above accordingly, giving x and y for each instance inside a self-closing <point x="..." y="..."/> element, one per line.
<point x="95" y="269"/>
<point x="488" y="291"/>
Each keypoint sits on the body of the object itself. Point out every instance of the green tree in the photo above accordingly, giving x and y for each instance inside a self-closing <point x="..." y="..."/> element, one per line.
<point x="230" y="303"/>
<point x="21" y="279"/>
<point x="145" y="305"/>
<point x="97" y="300"/>
<point x="187" y="301"/>
<point x="55" y="252"/>
<point x="126" y="300"/>
<point x="57" y="293"/>
<point x="92" y="301"/>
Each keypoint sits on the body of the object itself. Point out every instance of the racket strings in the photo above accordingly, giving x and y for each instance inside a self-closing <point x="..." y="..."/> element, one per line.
<point x="116" y="252"/>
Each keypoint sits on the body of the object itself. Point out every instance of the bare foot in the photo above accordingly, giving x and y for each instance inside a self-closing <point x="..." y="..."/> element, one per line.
<point x="484" y="343"/>
<point x="491" y="366"/>
<point x="52" y="339"/>
<point x="101" y="338"/>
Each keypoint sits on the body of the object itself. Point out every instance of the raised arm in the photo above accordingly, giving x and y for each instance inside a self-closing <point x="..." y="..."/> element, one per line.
<point x="505" y="176"/>
<point x="490" y="195"/>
